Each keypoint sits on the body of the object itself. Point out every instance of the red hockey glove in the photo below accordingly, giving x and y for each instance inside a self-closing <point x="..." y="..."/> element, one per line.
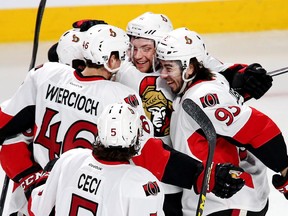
<point x="281" y="183"/>
<point x="84" y="25"/>
<point x="224" y="182"/>
<point x="252" y="81"/>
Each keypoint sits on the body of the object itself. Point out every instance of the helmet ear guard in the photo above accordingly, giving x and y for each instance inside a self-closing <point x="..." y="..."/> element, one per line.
<point x="119" y="126"/>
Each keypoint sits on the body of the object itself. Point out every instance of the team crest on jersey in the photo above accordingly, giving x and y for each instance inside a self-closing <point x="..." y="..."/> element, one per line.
<point x="132" y="100"/>
<point x="151" y="188"/>
<point x="156" y="106"/>
<point x="209" y="100"/>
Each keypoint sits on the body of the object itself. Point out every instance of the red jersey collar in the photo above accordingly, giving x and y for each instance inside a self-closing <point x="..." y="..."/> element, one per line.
<point x="78" y="75"/>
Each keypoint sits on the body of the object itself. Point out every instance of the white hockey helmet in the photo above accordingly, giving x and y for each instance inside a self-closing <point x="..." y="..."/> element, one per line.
<point x="119" y="125"/>
<point x="149" y="25"/>
<point x="69" y="46"/>
<point x="181" y="44"/>
<point x="100" y="40"/>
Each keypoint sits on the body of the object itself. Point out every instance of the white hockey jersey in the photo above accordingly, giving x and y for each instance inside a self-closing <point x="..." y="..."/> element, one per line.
<point x="79" y="185"/>
<point x="66" y="106"/>
<point x="231" y="118"/>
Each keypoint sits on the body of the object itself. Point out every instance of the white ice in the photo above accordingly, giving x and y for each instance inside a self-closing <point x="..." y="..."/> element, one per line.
<point x="267" y="48"/>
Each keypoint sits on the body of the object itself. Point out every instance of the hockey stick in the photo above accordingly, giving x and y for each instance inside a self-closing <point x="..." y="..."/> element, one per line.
<point x="4" y="193"/>
<point x="40" y="13"/>
<point x="192" y="109"/>
<point x="278" y="71"/>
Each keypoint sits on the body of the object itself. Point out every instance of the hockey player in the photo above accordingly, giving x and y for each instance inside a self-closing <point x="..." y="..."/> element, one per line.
<point x="102" y="181"/>
<point x="145" y="32"/>
<point x="142" y="73"/>
<point x="87" y="180"/>
<point x="64" y="104"/>
<point x="181" y="53"/>
<point x="68" y="50"/>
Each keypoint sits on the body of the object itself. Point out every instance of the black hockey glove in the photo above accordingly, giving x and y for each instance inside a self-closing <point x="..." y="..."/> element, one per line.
<point x="35" y="179"/>
<point x="84" y="25"/>
<point x="46" y="172"/>
<point x="281" y="184"/>
<point x="52" y="53"/>
<point x="252" y="81"/>
<point x="225" y="180"/>
<point x="28" y="183"/>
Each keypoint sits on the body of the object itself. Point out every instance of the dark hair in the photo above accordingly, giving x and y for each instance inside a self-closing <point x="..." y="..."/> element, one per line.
<point x="202" y="73"/>
<point x="90" y="64"/>
<point x="115" y="153"/>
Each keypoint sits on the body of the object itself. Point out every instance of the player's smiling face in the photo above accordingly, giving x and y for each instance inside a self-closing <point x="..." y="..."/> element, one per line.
<point x="172" y="73"/>
<point x="142" y="53"/>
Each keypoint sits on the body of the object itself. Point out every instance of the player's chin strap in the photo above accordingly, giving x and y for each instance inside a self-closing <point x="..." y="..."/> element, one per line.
<point x="115" y="70"/>
<point x="185" y="80"/>
<point x="154" y="61"/>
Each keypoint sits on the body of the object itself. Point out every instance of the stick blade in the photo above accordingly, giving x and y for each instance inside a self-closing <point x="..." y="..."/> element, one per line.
<point x="192" y="109"/>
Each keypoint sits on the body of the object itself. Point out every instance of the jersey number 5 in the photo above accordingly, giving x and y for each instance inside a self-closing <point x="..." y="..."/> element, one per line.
<point x="78" y="202"/>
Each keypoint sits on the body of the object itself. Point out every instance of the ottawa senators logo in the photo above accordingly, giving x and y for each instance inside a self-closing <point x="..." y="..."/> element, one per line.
<point x="151" y="188"/>
<point x="188" y="40"/>
<point x="156" y="106"/>
<point x="75" y="38"/>
<point x="209" y="100"/>
<point x="112" y="33"/>
<point x="164" y="18"/>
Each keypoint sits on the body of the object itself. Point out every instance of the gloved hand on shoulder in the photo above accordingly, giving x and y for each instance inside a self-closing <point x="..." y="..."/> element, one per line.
<point x="225" y="180"/>
<point x="252" y="81"/>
